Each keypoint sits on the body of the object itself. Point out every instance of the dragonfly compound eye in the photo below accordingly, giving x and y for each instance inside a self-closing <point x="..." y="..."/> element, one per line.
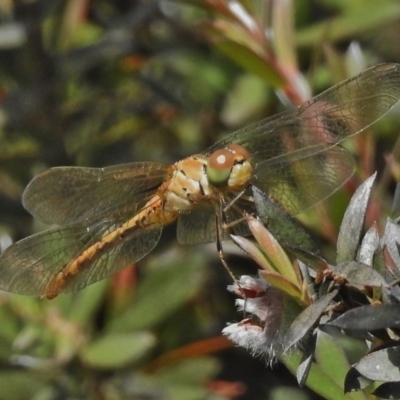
<point x="239" y="151"/>
<point x="219" y="167"/>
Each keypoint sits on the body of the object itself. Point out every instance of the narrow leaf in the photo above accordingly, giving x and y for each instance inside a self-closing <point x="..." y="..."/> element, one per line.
<point x="389" y="390"/>
<point x="396" y="200"/>
<point x="149" y="310"/>
<point x="305" y="321"/>
<point x="331" y="358"/>
<point x="350" y="24"/>
<point x="251" y="249"/>
<point x="392" y="239"/>
<point x="369" y="245"/>
<point x="371" y="317"/>
<point x="306" y="361"/>
<point x="317" y="380"/>
<point x="354" y="381"/>
<point x="273" y="251"/>
<point x="382" y="365"/>
<point x="117" y="350"/>
<point x="359" y="274"/>
<point x="282" y="283"/>
<point x="353" y="221"/>
<point x="283" y="28"/>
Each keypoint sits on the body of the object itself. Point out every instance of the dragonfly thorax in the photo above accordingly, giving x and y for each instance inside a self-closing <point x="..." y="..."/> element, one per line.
<point x="199" y="179"/>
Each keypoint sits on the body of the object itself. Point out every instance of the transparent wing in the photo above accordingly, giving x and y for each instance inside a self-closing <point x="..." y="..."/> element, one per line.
<point x="200" y="225"/>
<point x="339" y="112"/>
<point x="280" y="145"/>
<point x="66" y="195"/>
<point x="298" y="184"/>
<point x="29" y="265"/>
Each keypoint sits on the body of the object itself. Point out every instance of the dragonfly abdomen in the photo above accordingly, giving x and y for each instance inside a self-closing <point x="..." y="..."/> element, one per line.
<point x="152" y="215"/>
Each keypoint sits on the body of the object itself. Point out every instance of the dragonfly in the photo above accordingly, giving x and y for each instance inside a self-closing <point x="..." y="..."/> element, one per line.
<point x="109" y="218"/>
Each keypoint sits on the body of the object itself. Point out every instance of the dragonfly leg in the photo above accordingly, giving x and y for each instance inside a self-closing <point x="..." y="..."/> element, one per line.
<point x="223" y="261"/>
<point x="219" y="220"/>
<point x="229" y="225"/>
<point x="238" y="196"/>
<point x="233" y="204"/>
<point x="220" y="223"/>
<point x="221" y="252"/>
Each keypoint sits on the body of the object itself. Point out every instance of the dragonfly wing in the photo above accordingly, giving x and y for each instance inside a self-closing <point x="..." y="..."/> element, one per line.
<point x="200" y="225"/>
<point x="118" y="258"/>
<point x="65" y="195"/>
<point x="339" y="112"/>
<point x="29" y="265"/>
<point x="298" y="184"/>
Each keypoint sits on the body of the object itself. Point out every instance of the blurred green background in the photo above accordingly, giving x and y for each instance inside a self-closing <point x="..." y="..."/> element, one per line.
<point x="103" y="82"/>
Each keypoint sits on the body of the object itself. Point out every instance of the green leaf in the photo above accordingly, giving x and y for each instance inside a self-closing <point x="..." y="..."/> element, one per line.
<point x="19" y="385"/>
<point x="331" y="358"/>
<point x="285" y="393"/>
<point x="170" y="282"/>
<point x="246" y="100"/>
<point x="369" y="16"/>
<point x="277" y="257"/>
<point x="284" y="36"/>
<point x="308" y="349"/>
<point x="232" y="40"/>
<point x="250" y="61"/>
<point x="191" y="371"/>
<point x="251" y="249"/>
<point x="281" y="283"/>
<point x="86" y="303"/>
<point x="187" y="392"/>
<point x="116" y="350"/>
<point x="318" y="381"/>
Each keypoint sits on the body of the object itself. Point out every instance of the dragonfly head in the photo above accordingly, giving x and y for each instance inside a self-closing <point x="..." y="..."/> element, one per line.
<point x="229" y="167"/>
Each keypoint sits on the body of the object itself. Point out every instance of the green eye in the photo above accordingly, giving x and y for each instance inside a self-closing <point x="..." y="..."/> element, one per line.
<point x="219" y="167"/>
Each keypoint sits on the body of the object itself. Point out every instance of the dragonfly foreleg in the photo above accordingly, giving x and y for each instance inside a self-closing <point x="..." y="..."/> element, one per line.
<point x="240" y="195"/>
<point x="228" y="225"/>
<point x="221" y="253"/>
<point x="219" y="238"/>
